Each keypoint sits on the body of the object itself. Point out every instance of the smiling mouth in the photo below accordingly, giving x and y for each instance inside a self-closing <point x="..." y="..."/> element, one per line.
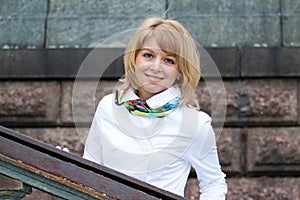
<point x="153" y="78"/>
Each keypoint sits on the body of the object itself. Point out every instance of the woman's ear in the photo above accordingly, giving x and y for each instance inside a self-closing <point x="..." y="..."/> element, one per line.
<point x="178" y="79"/>
<point x="179" y="75"/>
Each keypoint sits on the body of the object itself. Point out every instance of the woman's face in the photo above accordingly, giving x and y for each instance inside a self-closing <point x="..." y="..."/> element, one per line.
<point x="155" y="69"/>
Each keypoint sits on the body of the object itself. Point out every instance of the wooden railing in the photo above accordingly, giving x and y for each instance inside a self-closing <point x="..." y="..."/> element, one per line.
<point x="42" y="166"/>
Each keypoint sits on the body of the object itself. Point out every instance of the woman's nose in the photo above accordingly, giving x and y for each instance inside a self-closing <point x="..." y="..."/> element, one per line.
<point x="156" y="65"/>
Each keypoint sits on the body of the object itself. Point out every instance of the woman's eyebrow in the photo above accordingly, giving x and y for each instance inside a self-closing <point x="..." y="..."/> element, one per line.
<point x="153" y="50"/>
<point x="146" y="49"/>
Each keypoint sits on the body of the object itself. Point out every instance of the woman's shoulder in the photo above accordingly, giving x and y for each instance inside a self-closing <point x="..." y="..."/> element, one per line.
<point x="191" y="113"/>
<point x="105" y="102"/>
<point x="107" y="98"/>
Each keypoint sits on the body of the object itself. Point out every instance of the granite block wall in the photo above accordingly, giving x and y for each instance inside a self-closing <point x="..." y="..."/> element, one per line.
<point x="81" y="24"/>
<point x="258" y="147"/>
<point x="255" y="45"/>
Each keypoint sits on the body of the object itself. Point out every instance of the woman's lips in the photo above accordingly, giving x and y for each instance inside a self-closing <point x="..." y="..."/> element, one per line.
<point x="153" y="78"/>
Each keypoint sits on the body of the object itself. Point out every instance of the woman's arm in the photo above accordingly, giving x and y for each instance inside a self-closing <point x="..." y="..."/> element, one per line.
<point x="203" y="157"/>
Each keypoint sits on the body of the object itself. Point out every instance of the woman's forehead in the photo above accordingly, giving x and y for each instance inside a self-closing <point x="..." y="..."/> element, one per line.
<point x="155" y="45"/>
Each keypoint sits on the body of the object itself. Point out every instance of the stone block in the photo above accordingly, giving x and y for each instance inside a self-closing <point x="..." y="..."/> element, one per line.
<point x="290" y="20"/>
<point x="84" y="101"/>
<point x="230" y="150"/>
<point x="22" y="8"/>
<point x="88" y="24"/>
<point x="261" y="102"/>
<point x="226" y="60"/>
<point x="270" y="62"/>
<point x="191" y="190"/>
<point x="236" y="31"/>
<point x="223" y="24"/>
<point x="61" y="63"/>
<point x="71" y="138"/>
<point x="290" y="7"/>
<point x="31" y="103"/>
<point x="291" y="31"/>
<point x="22" y="23"/>
<point x="232" y="97"/>
<point x="298" y="103"/>
<point x="205" y="94"/>
<point x="266" y="188"/>
<point x="273" y="150"/>
<point x="268" y="102"/>
<point x="219" y="7"/>
<point x="252" y="102"/>
<point x="204" y="97"/>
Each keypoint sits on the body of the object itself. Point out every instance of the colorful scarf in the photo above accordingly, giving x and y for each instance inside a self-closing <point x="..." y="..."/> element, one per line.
<point x="141" y="108"/>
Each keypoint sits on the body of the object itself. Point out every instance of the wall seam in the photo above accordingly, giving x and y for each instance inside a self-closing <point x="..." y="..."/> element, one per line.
<point x="46" y="24"/>
<point x="166" y="9"/>
<point x="280" y="23"/>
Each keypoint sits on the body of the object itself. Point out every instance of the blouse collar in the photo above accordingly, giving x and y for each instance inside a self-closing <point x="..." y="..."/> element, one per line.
<point x="155" y="101"/>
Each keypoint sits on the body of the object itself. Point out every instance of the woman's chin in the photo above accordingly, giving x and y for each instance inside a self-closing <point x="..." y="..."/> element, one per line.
<point x="152" y="89"/>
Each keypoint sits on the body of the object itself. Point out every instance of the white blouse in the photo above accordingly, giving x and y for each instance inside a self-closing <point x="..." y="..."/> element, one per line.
<point x="159" y="151"/>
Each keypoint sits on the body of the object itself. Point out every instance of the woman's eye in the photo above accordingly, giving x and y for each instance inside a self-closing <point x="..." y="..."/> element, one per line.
<point x="169" y="61"/>
<point x="148" y="55"/>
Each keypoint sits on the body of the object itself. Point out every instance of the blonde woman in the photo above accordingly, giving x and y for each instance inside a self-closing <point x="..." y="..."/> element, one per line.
<point x="150" y="128"/>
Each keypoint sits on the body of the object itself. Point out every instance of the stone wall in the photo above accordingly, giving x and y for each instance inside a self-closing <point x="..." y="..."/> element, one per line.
<point x="255" y="45"/>
<point x="89" y="23"/>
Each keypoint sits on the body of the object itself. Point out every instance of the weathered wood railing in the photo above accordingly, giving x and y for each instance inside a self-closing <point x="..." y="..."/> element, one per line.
<point x="42" y="166"/>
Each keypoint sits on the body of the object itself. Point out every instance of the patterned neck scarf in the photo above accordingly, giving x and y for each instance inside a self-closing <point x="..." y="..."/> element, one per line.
<point x="141" y="108"/>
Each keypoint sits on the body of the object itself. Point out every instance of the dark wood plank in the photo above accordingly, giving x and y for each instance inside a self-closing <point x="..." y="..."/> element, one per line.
<point x="30" y="151"/>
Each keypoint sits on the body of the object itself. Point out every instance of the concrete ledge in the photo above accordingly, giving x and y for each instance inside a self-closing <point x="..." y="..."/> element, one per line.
<point x="107" y="63"/>
<point x="65" y="63"/>
<point x="59" y="63"/>
<point x="270" y="62"/>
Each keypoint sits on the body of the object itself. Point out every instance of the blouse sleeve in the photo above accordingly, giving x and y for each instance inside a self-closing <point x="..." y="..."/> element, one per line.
<point x="203" y="157"/>
<point x="92" y="148"/>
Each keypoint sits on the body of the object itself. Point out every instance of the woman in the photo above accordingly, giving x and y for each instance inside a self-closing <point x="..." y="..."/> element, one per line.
<point x="151" y="128"/>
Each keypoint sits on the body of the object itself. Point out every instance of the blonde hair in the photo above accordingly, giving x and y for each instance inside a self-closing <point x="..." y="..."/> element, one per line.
<point x="171" y="36"/>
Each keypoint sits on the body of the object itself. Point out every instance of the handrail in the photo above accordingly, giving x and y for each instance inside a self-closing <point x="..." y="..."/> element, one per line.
<point x="64" y="174"/>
